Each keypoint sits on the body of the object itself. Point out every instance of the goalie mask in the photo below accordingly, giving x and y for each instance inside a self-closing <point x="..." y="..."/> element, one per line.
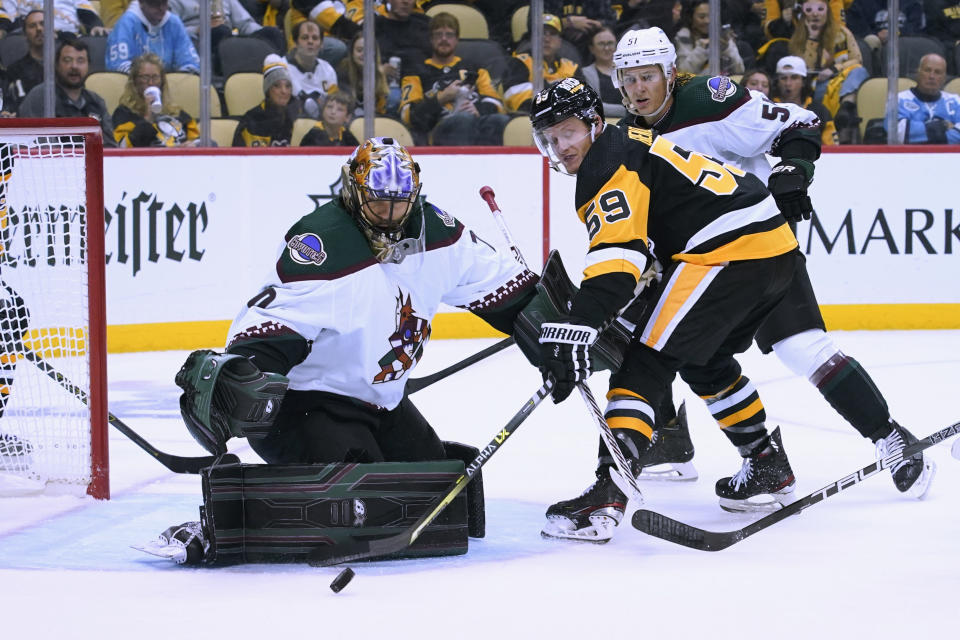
<point x="226" y="395"/>
<point x="381" y="183"/>
<point x="564" y="99"/>
<point x="641" y="48"/>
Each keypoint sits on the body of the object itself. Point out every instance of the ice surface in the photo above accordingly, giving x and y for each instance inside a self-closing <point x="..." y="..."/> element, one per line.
<point x="866" y="563"/>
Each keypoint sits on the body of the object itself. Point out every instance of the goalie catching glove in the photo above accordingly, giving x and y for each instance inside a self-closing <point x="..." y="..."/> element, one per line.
<point x="226" y="395"/>
<point x="565" y="354"/>
<point x="788" y="184"/>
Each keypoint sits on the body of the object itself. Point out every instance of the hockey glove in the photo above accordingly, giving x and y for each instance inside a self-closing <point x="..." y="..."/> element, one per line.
<point x="565" y="355"/>
<point x="788" y="185"/>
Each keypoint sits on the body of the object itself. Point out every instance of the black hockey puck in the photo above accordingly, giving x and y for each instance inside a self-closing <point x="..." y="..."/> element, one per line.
<point x="343" y="579"/>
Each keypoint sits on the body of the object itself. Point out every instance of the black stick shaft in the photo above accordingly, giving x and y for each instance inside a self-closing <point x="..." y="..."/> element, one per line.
<point x="177" y="464"/>
<point x="671" y="530"/>
<point x="416" y="384"/>
<point x="362" y="549"/>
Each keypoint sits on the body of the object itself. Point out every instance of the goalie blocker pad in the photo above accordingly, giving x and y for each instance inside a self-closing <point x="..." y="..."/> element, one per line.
<point x="554" y="297"/>
<point x="279" y="513"/>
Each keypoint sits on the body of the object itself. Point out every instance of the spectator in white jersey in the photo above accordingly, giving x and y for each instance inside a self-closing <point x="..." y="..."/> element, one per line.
<point x="312" y="77"/>
<point x="71" y="17"/>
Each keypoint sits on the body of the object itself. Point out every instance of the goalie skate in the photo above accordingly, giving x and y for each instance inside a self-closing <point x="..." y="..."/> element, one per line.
<point x="764" y="483"/>
<point x="184" y="544"/>
<point x="591" y="517"/>
<point x="670" y="453"/>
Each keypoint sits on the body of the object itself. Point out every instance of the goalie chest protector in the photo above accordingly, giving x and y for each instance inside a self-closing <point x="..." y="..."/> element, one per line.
<point x="279" y="513"/>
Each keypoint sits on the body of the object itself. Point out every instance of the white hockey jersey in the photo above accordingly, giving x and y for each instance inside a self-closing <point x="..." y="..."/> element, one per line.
<point x="368" y="322"/>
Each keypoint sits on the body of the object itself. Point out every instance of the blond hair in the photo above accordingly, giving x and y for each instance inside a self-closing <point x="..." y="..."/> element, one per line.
<point x="134" y="100"/>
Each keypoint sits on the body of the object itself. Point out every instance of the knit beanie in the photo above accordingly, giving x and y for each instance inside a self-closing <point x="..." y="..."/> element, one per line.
<point x="274" y="70"/>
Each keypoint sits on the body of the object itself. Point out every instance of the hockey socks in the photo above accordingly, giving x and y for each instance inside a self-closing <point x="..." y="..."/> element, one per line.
<point x="850" y="391"/>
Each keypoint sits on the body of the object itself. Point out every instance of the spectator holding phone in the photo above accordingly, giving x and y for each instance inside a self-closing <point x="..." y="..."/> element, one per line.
<point x="693" y="42"/>
<point x="449" y="101"/>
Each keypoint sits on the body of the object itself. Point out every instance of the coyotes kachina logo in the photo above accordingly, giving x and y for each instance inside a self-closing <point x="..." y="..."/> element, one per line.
<point x="406" y="343"/>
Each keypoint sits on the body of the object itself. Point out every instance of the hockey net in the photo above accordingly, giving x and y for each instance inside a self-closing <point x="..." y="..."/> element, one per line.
<point x="53" y="416"/>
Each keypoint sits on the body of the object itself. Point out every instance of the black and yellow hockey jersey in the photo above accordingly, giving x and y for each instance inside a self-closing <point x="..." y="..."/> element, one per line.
<point x="419" y="107"/>
<point x="133" y="130"/>
<point x="644" y="198"/>
<point x="266" y="127"/>
<point x="518" y="83"/>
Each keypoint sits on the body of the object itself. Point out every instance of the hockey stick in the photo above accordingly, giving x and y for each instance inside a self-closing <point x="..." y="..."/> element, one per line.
<point x="416" y="384"/>
<point x="687" y="535"/>
<point x="357" y="549"/>
<point x="177" y="464"/>
<point x="487" y="194"/>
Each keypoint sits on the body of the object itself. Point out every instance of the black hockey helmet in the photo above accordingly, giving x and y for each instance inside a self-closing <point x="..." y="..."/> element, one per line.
<point x="564" y="99"/>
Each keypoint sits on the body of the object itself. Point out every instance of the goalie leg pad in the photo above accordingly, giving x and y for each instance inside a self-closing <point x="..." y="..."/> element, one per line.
<point x="279" y="513"/>
<point x="476" y="509"/>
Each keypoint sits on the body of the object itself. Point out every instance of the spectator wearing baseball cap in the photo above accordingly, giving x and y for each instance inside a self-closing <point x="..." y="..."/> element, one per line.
<point x="793" y="85"/>
<point x="518" y="78"/>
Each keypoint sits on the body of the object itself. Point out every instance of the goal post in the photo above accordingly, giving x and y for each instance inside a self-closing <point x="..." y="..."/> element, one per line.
<point x="53" y="428"/>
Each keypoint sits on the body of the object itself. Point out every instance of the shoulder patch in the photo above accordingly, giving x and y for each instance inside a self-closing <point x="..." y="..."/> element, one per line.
<point x="910" y="105"/>
<point x="306" y="248"/>
<point x="721" y="88"/>
<point x="447" y="219"/>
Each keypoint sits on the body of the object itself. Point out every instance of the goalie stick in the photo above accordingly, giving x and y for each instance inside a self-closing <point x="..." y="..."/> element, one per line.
<point x="416" y="384"/>
<point x="357" y="549"/>
<point x="671" y="530"/>
<point x="177" y="464"/>
<point x="605" y="433"/>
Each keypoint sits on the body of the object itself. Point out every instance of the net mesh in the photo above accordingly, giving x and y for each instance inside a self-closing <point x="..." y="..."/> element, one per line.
<point x="45" y="430"/>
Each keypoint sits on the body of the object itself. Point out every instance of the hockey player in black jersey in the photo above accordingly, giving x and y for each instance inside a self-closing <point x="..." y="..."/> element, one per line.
<point x="727" y="261"/>
<point x="719" y="118"/>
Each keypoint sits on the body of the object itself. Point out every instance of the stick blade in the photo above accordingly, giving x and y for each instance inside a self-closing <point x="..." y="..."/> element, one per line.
<point x="660" y="526"/>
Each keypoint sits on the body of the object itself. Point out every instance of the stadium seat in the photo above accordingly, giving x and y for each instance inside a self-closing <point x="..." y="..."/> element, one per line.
<point x="872" y="99"/>
<point x="485" y="53"/>
<point x="241" y="54"/>
<point x="242" y="92"/>
<point x="222" y="130"/>
<point x="911" y="49"/>
<point x="185" y="91"/>
<point x="518" y="132"/>
<point x="518" y="23"/>
<point x="473" y="24"/>
<point x="300" y="128"/>
<point x="953" y="86"/>
<point x="384" y="127"/>
<point x="108" y="85"/>
<point x="12" y="48"/>
<point x="98" y="52"/>
<point x="869" y="56"/>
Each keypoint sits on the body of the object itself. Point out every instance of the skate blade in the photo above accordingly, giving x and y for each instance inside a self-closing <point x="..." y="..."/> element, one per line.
<point x="919" y="488"/>
<point x="669" y="472"/>
<point x="762" y="503"/>
<point x="599" y="531"/>
<point x="161" y="549"/>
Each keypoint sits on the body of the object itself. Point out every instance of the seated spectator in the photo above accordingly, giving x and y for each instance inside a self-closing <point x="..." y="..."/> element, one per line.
<point x="580" y="18"/>
<point x="71" y="68"/>
<point x="27" y="72"/>
<point x="350" y="79"/>
<point x="146" y="116"/>
<point x="149" y="27"/>
<point x="878" y="37"/>
<point x="449" y="101"/>
<point x="925" y="113"/>
<point x="270" y="124"/>
<point x="111" y="10"/>
<point x="830" y="50"/>
<point x="339" y="19"/>
<point x="643" y="14"/>
<point x="517" y="79"/>
<point x="313" y="78"/>
<point x="405" y="34"/>
<point x="693" y="42"/>
<point x="72" y="18"/>
<point x="331" y="130"/>
<point x="231" y="19"/>
<point x="779" y="15"/>
<point x="757" y="80"/>
<point x="793" y="86"/>
<point x="746" y="18"/>
<point x="598" y="74"/>
<point x="863" y="18"/>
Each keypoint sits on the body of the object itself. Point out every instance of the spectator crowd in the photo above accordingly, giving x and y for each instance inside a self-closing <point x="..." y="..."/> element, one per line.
<point x="456" y="73"/>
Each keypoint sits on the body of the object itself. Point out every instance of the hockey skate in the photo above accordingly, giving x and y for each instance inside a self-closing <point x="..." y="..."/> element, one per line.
<point x="765" y="482"/>
<point x="592" y="517"/>
<point x="913" y="476"/>
<point x="186" y="543"/>
<point x="12" y="446"/>
<point x="670" y="453"/>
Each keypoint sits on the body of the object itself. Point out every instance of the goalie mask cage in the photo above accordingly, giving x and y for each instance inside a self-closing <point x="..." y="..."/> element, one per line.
<point x="53" y="386"/>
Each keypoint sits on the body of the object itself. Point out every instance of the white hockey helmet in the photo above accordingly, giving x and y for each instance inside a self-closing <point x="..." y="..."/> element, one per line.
<point x="642" y="47"/>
